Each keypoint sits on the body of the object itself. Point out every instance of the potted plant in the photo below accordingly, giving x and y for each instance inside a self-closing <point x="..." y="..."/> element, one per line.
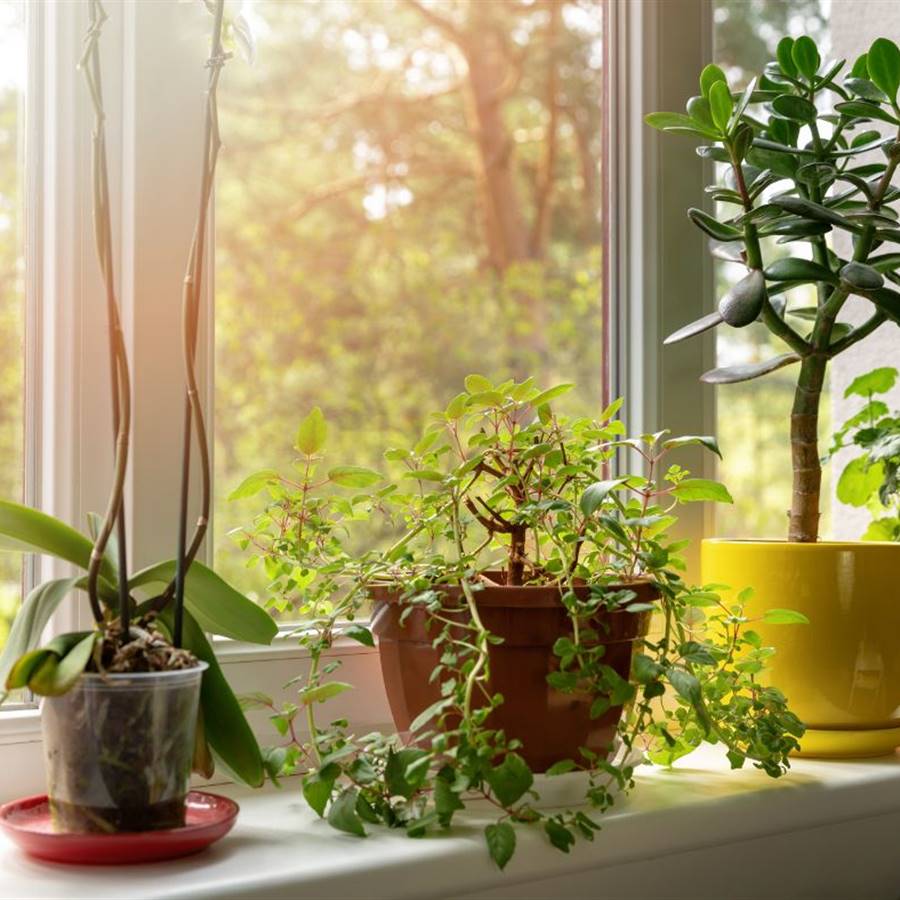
<point x="132" y="705"/>
<point x="512" y="611"/>
<point x="871" y="479"/>
<point x="805" y="159"/>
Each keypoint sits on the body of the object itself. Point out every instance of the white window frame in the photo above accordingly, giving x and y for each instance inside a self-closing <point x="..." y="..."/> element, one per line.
<point x="153" y="81"/>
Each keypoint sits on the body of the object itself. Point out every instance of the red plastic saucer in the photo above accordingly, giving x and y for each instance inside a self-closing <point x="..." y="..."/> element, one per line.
<point x="28" y="823"/>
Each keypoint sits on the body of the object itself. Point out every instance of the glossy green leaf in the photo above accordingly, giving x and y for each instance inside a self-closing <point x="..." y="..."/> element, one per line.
<point x="550" y="394"/>
<point x="792" y="269"/>
<point x="23" y="668"/>
<point x="715" y="229"/>
<point x="253" y="484"/>
<point x="883" y="63"/>
<point x="312" y="433"/>
<point x="800" y="206"/>
<point x="28" y="530"/>
<point x="227" y="729"/>
<point x="317" y="789"/>
<point x="595" y="494"/>
<point x="785" y="57"/>
<point x="710" y="75"/>
<point x="721" y="105"/>
<point x="887" y="301"/>
<point x="805" y="55"/>
<point x="865" y="89"/>
<point x="319" y="693"/>
<point x="704" y="440"/>
<point x="679" y="124"/>
<point x="217" y="606"/>
<point x="31" y="620"/>
<point x="360" y="634"/>
<point x="559" y="836"/>
<point x="748" y="371"/>
<point x="699" y="110"/>
<point x="501" y="842"/>
<point x="476" y="384"/>
<point x="58" y="674"/>
<point x="702" y="489"/>
<point x="797" y="109"/>
<point x="861" y="109"/>
<point x="860" y="67"/>
<point x="744" y="302"/>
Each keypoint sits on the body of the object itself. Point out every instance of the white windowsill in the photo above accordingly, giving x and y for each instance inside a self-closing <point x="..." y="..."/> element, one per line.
<point x="828" y="830"/>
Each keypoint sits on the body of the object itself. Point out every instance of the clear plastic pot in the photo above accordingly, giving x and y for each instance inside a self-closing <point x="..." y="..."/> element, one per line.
<point x="119" y="748"/>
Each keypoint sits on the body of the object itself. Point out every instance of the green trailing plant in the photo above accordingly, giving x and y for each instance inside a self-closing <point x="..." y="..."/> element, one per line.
<point x="871" y="479"/>
<point x="137" y="628"/>
<point x="498" y="481"/>
<point x="809" y="150"/>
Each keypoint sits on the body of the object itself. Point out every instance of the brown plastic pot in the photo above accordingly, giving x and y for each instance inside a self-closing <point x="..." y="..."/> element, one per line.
<point x="552" y="725"/>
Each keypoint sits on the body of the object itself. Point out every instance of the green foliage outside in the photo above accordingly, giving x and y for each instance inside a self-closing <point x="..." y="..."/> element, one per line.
<point x="359" y="263"/>
<point x="871" y="479"/>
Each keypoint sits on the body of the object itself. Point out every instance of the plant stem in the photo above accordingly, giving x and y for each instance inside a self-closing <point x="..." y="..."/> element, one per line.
<point x="120" y="385"/>
<point x="193" y="409"/>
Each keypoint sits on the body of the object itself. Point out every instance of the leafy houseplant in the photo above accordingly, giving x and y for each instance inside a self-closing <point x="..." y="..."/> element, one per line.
<point x="872" y="479"/>
<point x="806" y="160"/>
<point x="512" y="612"/>
<point x="121" y="701"/>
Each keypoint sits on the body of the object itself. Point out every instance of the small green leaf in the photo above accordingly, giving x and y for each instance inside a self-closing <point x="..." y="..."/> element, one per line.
<point x="550" y="394"/>
<point x="501" y="842"/>
<point x="253" y="484"/>
<point x="785" y="58"/>
<point x="679" y="123"/>
<point x="476" y="384"/>
<point x="704" y="440"/>
<point x="866" y="89"/>
<point x="321" y="692"/>
<point x="685" y="684"/>
<point x="559" y="835"/>
<point x="561" y="768"/>
<point x="784" y="617"/>
<point x="317" y="790"/>
<point x="699" y="489"/>
<point x="354" y="476"/>
<point x="312" y="433"/>
<point x="721" y="105"/>
<point x="878" y="381"/>
<point x="714" y="228"/>
<point x="859" y="482"/>
<point x="343" y="815"/>
<point x="860" y="67"/>
<point x="709" y="76"/>
<point x="595" y="494"/>
<point x="794" y="108"/>
<point x="360" y="634"/>
<point x="861" y="109"/>
<point x="883" y="63"/>
<point x="806" y="56"/>
<point x="862" y="277"/>
<point x="510" y="780"/>
<point x="791" y="269"/>
<point x="58" y="673"/>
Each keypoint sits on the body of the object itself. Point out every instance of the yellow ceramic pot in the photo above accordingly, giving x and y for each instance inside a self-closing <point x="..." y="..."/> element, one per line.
<point x="840" y="673"/>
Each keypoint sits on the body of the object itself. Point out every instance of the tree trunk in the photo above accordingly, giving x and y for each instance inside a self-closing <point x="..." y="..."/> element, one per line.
<point x="807" y="468"/>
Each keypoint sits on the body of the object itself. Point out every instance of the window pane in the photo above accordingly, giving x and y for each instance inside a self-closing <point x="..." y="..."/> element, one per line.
<point x="754" y="417"/>
<point x="12" y="285"/>
<point x="384" y="228"/>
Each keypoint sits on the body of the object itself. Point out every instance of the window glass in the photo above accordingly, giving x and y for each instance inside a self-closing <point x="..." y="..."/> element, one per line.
<point x="753" y="418"/>
<point x="12" y="285"/>
<point x="408" y="193"/>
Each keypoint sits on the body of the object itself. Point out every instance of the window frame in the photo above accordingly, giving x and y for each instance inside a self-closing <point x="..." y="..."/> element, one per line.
<point x="653" y="51"/>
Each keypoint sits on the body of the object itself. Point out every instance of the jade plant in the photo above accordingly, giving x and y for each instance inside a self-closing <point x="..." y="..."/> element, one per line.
<point x="871" y="479"/>
<point x="809" y="151"/>
<point x="156" y="618"/>
<point x="499" y="482"/>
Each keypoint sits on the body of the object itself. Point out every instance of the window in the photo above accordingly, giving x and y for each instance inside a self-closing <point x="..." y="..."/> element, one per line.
<point x="754" y="420"/>
<point x="384" y="227"/>
<point x="12" y="284"/>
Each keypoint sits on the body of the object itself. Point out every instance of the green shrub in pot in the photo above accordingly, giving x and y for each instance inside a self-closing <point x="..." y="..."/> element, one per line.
<point x="506" y="522"/>
<point x="809" y="150"/>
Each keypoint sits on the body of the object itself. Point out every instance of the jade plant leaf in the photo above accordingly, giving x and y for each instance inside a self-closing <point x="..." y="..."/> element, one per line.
<point x="862" y="277"/>
<point x="744" y="302"/>
<point x="862" y="109"/>
<point x="747" y="371"/>
<point x="792" y="269"/>
<point x="883" y="63"/>
<point x="214" y="603"/>
<point x="697" y="327"/>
